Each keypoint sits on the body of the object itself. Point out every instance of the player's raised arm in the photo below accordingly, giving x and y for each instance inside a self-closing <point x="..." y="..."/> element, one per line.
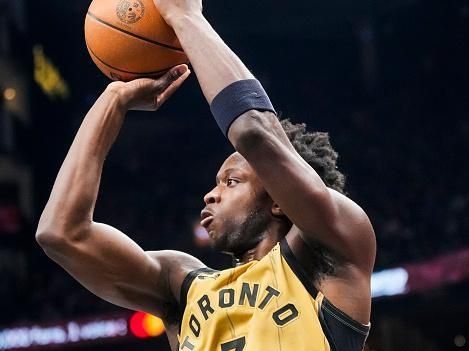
<point x="100" y="257"/>
<point x="214" y="63"/>
<point x="244" y="113"/>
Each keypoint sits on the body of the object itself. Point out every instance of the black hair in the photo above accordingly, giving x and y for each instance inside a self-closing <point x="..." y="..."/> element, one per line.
<point x="316" y="149"/>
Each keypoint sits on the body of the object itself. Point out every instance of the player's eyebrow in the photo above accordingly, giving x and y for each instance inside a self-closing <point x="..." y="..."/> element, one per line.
<point x="224" y="173"/>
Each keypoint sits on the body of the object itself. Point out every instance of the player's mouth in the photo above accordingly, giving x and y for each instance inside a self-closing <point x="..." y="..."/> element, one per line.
<point x="207" y="218"/>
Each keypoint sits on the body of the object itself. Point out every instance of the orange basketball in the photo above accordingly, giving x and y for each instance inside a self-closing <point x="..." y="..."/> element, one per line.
<point x="129" y="39"/>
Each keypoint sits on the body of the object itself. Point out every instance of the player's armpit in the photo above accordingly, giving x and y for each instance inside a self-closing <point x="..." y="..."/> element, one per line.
<point x="322" y="214"/>
<point x="113" y="267"/>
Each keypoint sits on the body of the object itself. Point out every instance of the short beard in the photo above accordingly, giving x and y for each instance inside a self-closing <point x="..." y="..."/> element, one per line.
<point x="238" y="239"/>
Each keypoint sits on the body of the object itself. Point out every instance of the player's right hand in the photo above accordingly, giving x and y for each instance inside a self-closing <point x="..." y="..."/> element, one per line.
<point x="146" y="94"/>
<point x="172" y="10"/>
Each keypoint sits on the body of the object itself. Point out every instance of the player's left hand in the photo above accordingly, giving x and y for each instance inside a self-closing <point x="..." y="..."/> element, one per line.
<point x="147" y="94"/>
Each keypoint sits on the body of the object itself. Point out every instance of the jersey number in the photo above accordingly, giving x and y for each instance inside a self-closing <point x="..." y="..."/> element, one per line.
<point x="236" y="345"/>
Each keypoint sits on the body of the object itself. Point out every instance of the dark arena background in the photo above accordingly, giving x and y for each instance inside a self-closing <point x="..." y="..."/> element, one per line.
<point x="389" y="80"/>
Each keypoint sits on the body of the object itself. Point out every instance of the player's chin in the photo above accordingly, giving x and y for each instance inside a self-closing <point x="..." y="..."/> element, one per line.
<point x="219" y="240"/>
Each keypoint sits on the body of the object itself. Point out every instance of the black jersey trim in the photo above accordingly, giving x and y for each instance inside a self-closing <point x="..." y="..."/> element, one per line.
<point x="342" y="332"/>
<point x="327" y="330"/>
<point x="297" y="268"/>
<point x="186" y="285"/>
<point x="328" y="307"/>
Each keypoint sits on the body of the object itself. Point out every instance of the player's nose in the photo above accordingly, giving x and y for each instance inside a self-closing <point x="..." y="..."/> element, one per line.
<point x="212" y="196"/>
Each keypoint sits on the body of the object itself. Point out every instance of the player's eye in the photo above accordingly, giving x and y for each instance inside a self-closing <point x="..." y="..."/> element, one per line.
<point x="231" y="182"/>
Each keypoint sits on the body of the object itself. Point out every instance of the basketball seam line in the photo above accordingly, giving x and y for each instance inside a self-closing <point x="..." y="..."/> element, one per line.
<point x="124" y="71"/>
<point x="135" y="35"/>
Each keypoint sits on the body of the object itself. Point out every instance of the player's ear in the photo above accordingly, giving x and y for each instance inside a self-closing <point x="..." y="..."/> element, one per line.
<point x="276" y="210"/>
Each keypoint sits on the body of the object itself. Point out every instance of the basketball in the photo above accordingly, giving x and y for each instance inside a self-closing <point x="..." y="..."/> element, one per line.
<point x="128" y="39"/>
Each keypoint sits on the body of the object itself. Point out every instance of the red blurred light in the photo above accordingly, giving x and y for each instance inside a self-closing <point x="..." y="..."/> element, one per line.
<point x="136" y="325"/>
<point x="144" y="325"/>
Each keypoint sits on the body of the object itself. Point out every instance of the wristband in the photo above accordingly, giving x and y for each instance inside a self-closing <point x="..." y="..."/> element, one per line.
<point x="238" y="98"/>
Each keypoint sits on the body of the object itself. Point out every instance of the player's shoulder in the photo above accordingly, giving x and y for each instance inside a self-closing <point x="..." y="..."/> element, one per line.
<point x="356" y="231"/>
<point x="176" y="265"/>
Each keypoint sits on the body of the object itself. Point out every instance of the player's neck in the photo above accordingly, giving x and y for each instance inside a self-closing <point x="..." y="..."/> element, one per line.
<point x="260" y="250"/>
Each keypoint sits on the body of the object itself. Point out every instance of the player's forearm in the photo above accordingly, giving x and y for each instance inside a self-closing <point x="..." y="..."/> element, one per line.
<point x="215" y="64"/>
<point x="71" y="203"/>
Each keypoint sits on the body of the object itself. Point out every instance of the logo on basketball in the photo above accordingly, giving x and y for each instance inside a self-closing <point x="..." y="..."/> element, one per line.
<point x="130" y="11"/>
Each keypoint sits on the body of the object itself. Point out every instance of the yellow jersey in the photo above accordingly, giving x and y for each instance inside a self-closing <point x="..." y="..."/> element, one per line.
<point x="269" y="304"/>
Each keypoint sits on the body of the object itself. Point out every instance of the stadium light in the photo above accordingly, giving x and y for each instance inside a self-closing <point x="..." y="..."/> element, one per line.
<point x="389" y="282"/>
<point x="9" y="94"/>
<point x="144" y="325"/>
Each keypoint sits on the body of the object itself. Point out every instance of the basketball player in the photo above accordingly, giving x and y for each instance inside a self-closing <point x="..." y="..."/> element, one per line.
<point x="305" y="251"/>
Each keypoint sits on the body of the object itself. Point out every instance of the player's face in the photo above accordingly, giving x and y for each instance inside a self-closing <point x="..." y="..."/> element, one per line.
<point x="238" y="209"/>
